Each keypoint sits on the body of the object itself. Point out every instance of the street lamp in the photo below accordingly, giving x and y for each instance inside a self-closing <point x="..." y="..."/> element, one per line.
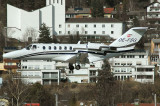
<point x="155" y="99"/>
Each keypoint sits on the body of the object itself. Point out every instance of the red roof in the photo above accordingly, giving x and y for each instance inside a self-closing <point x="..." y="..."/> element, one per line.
<point x="108" y="10"/>
<point x="141" y="104"/>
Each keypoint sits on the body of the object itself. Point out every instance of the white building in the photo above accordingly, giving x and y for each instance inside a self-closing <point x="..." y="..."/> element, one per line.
<point x="49" y="72"/>
<point x="87" y="73"/>
<point x="151" y="1"/>
<point x="94" y="26"/>
<point x="22" y="24"/>
<point x="133" y="66"/>
<point x="19" y="21"/>
<point x="42" y="71"/>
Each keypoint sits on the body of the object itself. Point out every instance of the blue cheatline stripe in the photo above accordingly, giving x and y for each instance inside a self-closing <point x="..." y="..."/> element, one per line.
<point x="64" y="53"/>
<point x="45" y="53"/>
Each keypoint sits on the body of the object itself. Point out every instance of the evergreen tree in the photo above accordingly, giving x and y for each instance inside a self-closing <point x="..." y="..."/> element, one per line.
<point x="104" y="85"/>
<point x="44" y="36"/>
<point x="97" y="9"/>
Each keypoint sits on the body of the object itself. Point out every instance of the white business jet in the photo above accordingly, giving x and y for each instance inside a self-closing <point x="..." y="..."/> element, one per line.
<point x="64" y="52"/>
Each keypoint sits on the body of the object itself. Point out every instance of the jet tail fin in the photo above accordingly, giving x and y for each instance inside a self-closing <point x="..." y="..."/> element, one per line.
<point x="130" y="38"/>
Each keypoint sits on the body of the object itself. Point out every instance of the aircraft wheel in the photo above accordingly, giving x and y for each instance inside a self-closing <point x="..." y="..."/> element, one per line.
<point x="78" y="67"/>
<point x="71" y="67"/>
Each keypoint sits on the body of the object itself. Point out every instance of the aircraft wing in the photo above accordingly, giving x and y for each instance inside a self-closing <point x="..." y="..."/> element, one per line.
<point x="64" y="57"/>
<point x="97" y="57"/>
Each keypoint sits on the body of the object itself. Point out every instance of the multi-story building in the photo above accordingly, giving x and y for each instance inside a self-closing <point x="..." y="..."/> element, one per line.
<point x="10" y="65"/>
<point x="94" y="26"/>
<point x="154" y="52"/>
<point x="133" y="66"/>
<point x="19" y="22"/>
<point x="49" y="72"/>
<point x="153" y="20"/>
<point x="86" y="12"/>
<point x="87" y="73"/>
<point x="42" y="71"/>
<point x="78" y="13"/>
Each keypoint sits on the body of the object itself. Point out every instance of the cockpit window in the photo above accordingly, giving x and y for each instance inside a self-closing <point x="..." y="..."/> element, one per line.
<point x="28" y="47"/>
<point x="34" y="47"/>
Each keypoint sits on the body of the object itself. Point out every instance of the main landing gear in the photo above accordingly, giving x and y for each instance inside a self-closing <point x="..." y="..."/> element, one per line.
<point x="77" y="64"/>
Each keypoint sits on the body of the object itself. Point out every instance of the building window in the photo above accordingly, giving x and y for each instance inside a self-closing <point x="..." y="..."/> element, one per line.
<point x="86" y="32"/>
<point x="57" y="1"/>
<point x="61" y="2"/>
<point x="94" y="25"/>
<point x="55" y="47"/>
<point x="92" y="72"/>
<point x="68" y="25"/>
<point x="117" y="63"/>
<point x="60" y="48"/>
<point x="60" y="32"/>
<point x="77" y="26"/>
<point x="70" y="48"/>
<point x="94" y="32"/>
<point x="112" y="25"/>
<point x="123" y="64"/>
<point x="130" y="56"/>
<point x="103" y="26"/>
<point x="103" y="32"/>
<point x="86" y="25"/>
<point x="44" y="47"/>
<point x="129" y="64"/>
<point x="77" y="32"/>
<point x="123" y="56"/>
<point x="49" y="47"/>
<point x="65" y="48"/>
<point x="112" y="32"/>
<point x="69" y="33"/>
<point x="60" y="26"/>
<point x="141" y="56"/>
<point x="156" y="45"/>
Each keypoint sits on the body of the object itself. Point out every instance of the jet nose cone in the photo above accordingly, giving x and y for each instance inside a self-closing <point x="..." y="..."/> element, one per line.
<point x="6" y="55"/>
<point x="10" y="55"/>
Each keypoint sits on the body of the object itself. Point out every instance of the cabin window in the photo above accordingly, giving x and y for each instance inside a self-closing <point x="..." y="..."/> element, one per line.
<point x="55" y="47"/>
<point x="28" y="47"/>
<point x="44" y="47"/>
<point x="65" y="48"/>
<point x="49" y="47"/>
<point x="60" y="48"/>
<point x="34" y="47"/>
<point x="70" y="48"/>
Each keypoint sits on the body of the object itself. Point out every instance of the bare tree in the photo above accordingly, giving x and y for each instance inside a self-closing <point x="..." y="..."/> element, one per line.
<point x="15" y="89"/>
<point x="30" y="33"/>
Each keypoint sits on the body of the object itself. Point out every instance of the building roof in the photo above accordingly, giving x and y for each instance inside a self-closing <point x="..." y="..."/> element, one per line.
<point x="92" y="20"/>
<point x="86" y="10"/>
<point x="152" y="3"/>
<point x="156" y="40"/>
<point x="78" y="11"/>
<point x="108" y="10"/>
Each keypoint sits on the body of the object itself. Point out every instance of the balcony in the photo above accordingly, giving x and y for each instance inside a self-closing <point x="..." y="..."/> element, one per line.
<point x="155" y="7"/>
<point x="10" y="66"/>
<point x="11" y="61"/>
